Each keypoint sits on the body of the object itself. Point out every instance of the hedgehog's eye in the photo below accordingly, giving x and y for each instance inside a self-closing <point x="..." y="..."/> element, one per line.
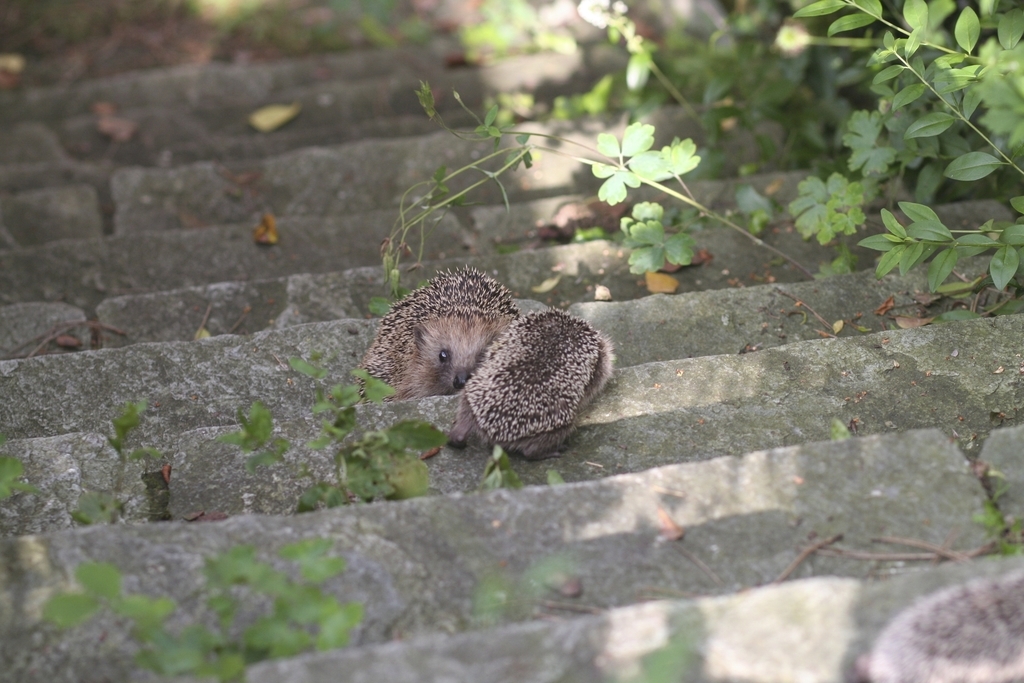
<point x="443" y="356"/>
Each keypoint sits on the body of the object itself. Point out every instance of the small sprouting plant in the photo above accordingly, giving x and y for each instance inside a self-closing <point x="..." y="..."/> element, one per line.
<point x="107" y="507"/>
<point x="11" y="470"/>
<point x="373" y="464"/>
<point x="651" y="247"/>
<point x="1008" y="534"/>
<point x="302" y="616"/>
<point x="499" y="473"/>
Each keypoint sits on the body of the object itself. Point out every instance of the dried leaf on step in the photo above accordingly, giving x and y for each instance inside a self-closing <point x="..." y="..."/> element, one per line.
<point x="926" y="298"/>
<point x="907" y="323"/>
<point x="702" y="257"/>
<point x="266" y="231"/>
<point x="837" y="326"/>
<point x="12" y="63"/>
<point x="670" y="531"/>
<point x="66" y="341"/>
<point x="202" y="333"/>
<point x="547" y="285"/>
<point x="102" y="108"/>
<point x="886" y="306"/>
<point x="659" y="283"/>
<point x="117" y="129"/>
<point x="273" y="116"/>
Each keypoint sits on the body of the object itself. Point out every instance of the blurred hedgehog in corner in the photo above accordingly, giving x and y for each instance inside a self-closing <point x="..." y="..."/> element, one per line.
<point x="968" y="633"/>
<point x="430" y="341"/>
<point x="532" y="383"/>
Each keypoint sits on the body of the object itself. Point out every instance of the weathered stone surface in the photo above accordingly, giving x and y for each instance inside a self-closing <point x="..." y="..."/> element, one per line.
<point x="358" y="176"/>
<point x="83" y="273"/>
<point x="27" y="143"/>
<point x="39" y="216"/>
<point x="1004" y="451"/>
<point x="22" y="323"/>
<point x="810" y="630"/>
<point x="63" y="468"/>
<point x="416" y="565"/>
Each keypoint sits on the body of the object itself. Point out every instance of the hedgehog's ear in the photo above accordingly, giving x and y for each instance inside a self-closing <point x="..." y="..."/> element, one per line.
<point x="419" y="333"/>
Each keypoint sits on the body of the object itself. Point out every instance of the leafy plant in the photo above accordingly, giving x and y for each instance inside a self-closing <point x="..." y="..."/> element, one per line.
<point x="373" y="464"/>
<point x="11" y="470"/>
<point x="949" y="109"/>
<point x="302" y="616"/>
<point x="498" y="474"/>
<point x="1007" y="533"/>
<point x="106" y="506"/>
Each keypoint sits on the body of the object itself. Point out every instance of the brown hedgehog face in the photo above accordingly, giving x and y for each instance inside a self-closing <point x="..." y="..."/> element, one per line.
<point x="447" y="352"/>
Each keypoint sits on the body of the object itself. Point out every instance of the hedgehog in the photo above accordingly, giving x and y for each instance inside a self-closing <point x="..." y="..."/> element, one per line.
<point x="532" y="383"/>
<point x="972" y="632"/>
<point x="431" y="340"/>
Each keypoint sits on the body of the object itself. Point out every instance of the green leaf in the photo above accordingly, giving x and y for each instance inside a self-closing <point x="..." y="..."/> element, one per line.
<point x="820" y="8"/>
<point x="1018" y="203"/>
<point x="650" y="211"/>
<point x="554" y="478"/>
<point x="646" y="260"/>
<point x="877" y="242"/>
<point x="608" y="145"/>
<point x="149" y="614"/>
<point x="916" y="13"/>
<point x="967" y="30"/>
<point x="849" y="23"/>
<point x="334" y="630"/>
<point x="919" y="213"/>
<point x="873" y="7"/>
<point x="972" y="98"/>
<point x="933" y="231"/>
<point x="69" y="609"/>
<point x="299" y="365"/>
<point x="492" y="114"/>
<point x="929" y="125"/>
<point x="913" y="42"/>
<point x="908" y="95"/>
<point x="912" y="255"/>
<point x="1011" y="27"/>
<point x="498" y="473"/>
<point x="415" y="435"/>
<point x="940" y="268"/>
<point x="890" y="260"/>
<point x="893" y="225"/>
<point x="976" y="240"/>
<point x="639" y="137"/>
<point x="374" y="390"/>
<point x="972" y="166"/>
<point x="861" y="137"/>
<point x="379" y="306"/>
<point x="888" y="73"/>
<point x="681" y="156"/>
<point x="1013" y="235"/>
<point x="648" y="232"/>
<point x="613" y="190"/>
<point x="838" y="431"/>
<point x="523" y="138"/>
<point x="1003" y="266"/>
<point x="650" y="165"/>
<point x="955" y="315"/>
<point x="638" y="70"/>
<point x="100" y="579"/>
<point x="679" y="249"/>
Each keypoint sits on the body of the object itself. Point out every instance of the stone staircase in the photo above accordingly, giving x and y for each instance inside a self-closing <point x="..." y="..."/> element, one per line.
<point x="716" y="423"/>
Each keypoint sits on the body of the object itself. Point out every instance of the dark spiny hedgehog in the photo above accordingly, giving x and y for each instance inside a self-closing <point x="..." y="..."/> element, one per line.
<point x="430" y="341"/>
<point x="534" y="380"/>
<point x="972" y="632"/>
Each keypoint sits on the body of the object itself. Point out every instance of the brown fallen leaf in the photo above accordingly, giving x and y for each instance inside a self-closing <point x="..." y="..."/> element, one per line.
<point x="774" y="186"/>
<point x="204" y="516"/>
<point x="659" y="283"/>
<point x="165" y="471"/>
<point x="66" y="341"/>
<point x="273" y="116"/>
<point x="670" y="531"/>
<point x="12" y="63"/>
<point x="431" y="453"/>
<point x="9" y="81"/>
<point x="547" y="285"/>
<point x="102" y="108"/>
<point x="886" y="306"/>
<point x="702" y="257"/>
<point x="266" y="231"/>
<point x="926" y="298"/>
<point x="907" y="323"/>
<point x="117" y="129"/>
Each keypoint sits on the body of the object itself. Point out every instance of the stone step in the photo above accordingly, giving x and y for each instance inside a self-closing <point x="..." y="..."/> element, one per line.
<point x="333" y="111"/>
<point x="809" y="630"/>
<point x="416" y="565"/>
<point x="84" y="272"/>
<point x="370" y="174"/>
<point x="963" y="378"/>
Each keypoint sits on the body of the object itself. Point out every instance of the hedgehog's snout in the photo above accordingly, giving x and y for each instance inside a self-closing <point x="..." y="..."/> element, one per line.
<point x="460" y="380"/>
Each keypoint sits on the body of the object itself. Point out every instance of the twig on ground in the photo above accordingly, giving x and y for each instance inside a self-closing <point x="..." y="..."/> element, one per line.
<point x="828" y="326"/>
<point x="245" y="312"/>
<point x="924" y="545"/>
<point x="56" y="331"/>
<point x="804" y="554"/>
